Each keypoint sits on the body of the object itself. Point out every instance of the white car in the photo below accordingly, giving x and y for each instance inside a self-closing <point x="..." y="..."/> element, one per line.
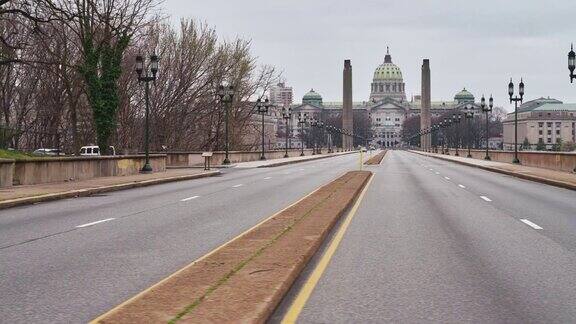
<point x="94" y="150"/>
<point x="46" y="151"/>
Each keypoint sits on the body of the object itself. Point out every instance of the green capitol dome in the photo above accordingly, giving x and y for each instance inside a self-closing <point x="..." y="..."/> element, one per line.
<point x="387" y="81"/>
<point x="313" y="98"/>
<point x="387" y="70"/>
<point x="464" y="96"/>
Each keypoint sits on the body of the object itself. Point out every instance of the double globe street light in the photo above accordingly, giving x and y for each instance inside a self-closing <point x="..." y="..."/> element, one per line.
<point x="262" y="106"/>
<point x="516" y="100"/>
<point x="572" y="63"/>
<point x="302" y="119"/>
<point x="469" y="114"/>
<point x="147" y="74"/>
<point x="226" y="96"/>
<point x="487" y="109"/>
<point x="287" y="115"/>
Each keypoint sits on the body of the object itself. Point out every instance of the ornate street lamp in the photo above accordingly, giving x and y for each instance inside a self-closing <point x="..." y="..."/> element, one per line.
<point x="469" y="114"/>
<point x="516" y="100"/>
<point x="456" y="119"/>
<point x="147" y="74"/>
<point x="286" y="114"/>
<point x="226" y="95"/>
<point x="572" y="63"/>
<point x="262" y="108"/>
<point x="487" y="109"/>
<point x="302" y="118"/>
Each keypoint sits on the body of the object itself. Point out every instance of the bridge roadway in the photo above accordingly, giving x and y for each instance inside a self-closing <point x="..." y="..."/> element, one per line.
<point x="71" y="260"/>
<point x="435" y="241"/>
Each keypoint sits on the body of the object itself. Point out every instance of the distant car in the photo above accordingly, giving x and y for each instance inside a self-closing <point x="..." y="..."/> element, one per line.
<point x="47" y="151"/>
<point x="94" y="150"/>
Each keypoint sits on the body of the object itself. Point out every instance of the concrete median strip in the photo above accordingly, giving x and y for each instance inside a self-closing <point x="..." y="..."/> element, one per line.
<point x="245" y="279"/>
<point x="376" y="159"/>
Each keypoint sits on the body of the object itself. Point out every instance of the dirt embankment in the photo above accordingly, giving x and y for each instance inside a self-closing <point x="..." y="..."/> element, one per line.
<point x="245" y="279"/>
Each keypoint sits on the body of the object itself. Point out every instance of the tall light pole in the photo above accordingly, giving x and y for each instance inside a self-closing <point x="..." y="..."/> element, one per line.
<point x="262" y="107"/>
<point x="286" y="114"/>
<point x="572" y="63"/>
<point x="301" y="121"/>
<point x="487" y="109"/>
<point x="571" y="67"/>
<point x="226" y="95"/>
<point x="469" y="114"/>
<point x="146" y="77"/>
<point x="457" y="119"/>
<point x="516" y="100"/>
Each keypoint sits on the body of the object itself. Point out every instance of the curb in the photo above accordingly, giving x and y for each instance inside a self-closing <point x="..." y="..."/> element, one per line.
<point x="556" y="183"/>
<point x="307" y="160"/>
<point x="90" y="191"/>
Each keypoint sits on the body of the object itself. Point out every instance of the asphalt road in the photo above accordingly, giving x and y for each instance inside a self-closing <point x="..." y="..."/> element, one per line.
<point x="69" y="261"/>
<point x="434" y="241"/>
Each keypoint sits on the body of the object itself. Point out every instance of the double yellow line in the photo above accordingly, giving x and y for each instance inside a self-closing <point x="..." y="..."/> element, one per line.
<point x="296" y="308"/>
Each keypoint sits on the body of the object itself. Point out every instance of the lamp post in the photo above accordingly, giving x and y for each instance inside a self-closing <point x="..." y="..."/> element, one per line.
<point x="516" y="100"/>
<point x="469" y="114"/>
<point x="487" y="109"/>
<point x="572" y="63"/>
<point x="457" y="119"/>
<point x="146" y="77"/>
<point x="226" y="95"/>
<point x="571" y="67"/>
<point x="262" y="107"/>
<point x="301" y="121"/>
<point x="286" y="114"/>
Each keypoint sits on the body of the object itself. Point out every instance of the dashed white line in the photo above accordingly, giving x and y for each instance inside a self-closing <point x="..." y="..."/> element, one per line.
<point x="96" y="222"/>
<point x="437" y="172"/>
<point x="189" y="198"/>
<point x="462" y="186"/>
<point x="485" y="198"/>
<point x="446" y="178"/>
<point x="238" y="185"/>
<point x="529" y="223"/>
<point x="267" y="178"/>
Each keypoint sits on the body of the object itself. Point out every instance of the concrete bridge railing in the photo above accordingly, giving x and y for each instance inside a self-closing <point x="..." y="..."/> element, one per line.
<point x="559" y="161"/>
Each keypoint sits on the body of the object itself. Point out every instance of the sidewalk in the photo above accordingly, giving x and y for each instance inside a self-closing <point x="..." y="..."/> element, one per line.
<point x="284" y="161"/>
<point x="22" y="195"/>
<point x="546" y="176"/>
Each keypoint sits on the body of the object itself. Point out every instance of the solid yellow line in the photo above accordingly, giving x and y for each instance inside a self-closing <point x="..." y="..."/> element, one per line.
<point x="296" y="308"/>
<point x="101" y="317"/>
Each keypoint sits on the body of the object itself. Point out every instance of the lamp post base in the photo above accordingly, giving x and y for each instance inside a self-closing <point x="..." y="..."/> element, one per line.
<point x="286" y="155"/>
<point x="516" y="161"/>
<point x="147" y="168"/>
<point x="487" y="158"/>
<point x="262" y="158"/>
<point x="226" y="161"/>
<point x="469" y="155"/>
<point x="302" y="154"/>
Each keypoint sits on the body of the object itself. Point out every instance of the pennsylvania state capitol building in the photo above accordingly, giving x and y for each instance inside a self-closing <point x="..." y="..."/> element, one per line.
<point x="387" y="106"/>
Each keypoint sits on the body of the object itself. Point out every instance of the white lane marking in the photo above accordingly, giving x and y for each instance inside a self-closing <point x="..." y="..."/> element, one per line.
<point x="301" y="169"/>
<point x="437" y="172"/>
<point x="485" y="198"/>
<point x="529" y="223"/>
<point x="462" y="186"/>
<point x="238" y="185"/>
<point x="267" y="178"/>
<point x="189" y="198"/>
<point x="446" y="178"/>
<point x="96" y="222"/>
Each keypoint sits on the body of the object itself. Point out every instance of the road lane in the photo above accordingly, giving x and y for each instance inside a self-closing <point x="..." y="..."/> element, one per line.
<point x="72" y="274"/>
<point x="423" y="249"/>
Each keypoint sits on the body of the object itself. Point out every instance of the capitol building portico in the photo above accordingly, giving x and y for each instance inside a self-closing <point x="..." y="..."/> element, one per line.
<point x="387" y="106"/>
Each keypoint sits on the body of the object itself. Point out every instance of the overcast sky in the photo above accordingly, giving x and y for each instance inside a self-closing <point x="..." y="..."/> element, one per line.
<point x="474" y="44"/>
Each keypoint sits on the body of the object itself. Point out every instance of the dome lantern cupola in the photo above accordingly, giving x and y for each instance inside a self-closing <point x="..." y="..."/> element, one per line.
<point x="312" y="98"/>
<point x="464" y="96"/>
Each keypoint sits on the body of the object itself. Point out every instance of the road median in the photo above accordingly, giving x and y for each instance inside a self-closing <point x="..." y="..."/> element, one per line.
<point x="376" y="159"/>
<point x="245" y="279"/>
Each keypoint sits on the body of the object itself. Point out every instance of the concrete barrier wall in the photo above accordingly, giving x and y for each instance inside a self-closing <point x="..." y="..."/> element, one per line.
<point x="196" y="159"/>
<point x="6" y="172"/>
<point x="559" y="161"/>
<point x="36" y="171"/>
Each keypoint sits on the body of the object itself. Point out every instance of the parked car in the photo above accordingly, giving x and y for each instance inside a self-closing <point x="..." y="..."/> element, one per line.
<point x="94" y="150"/>
<point x="48" y="151"/>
